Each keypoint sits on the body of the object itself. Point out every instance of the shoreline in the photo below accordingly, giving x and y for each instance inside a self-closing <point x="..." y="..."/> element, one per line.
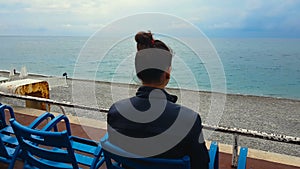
<point x="171" y="88"/>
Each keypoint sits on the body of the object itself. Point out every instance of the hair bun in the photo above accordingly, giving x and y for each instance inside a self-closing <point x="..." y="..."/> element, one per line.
<point x="144" y="38"/>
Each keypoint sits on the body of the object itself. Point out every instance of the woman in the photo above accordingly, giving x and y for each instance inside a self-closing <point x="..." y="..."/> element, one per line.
<point x="130" y="117"/>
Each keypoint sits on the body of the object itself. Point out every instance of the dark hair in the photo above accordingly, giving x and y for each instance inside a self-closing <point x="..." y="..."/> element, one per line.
<point x="145" y="40"/>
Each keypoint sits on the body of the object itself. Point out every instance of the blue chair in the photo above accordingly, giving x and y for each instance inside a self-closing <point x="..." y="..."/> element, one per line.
<point x="115" y="157"/>
<point x="90" y="148"/>
<point x="8" y="141"/>
<point x="87" y="152"/>
<point x="7" y="131"/>
<point x="6" y="152"/>
<point x="242" y="160"/>
<point x="121" y="157"/>
<point x="6" y="128"/>
<point x="214" y="155"/>
<point x="3" y="125"/>
<point x="43" y="149"/>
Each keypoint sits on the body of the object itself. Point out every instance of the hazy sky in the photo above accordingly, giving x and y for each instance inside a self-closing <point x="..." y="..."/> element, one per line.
<point x="216" y="18"/>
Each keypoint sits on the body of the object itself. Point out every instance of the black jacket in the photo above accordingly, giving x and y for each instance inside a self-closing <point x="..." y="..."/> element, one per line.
<point x="161" y="127"/>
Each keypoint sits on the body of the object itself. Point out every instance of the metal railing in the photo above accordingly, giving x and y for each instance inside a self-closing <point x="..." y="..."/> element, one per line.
<point x="236" y="132"/>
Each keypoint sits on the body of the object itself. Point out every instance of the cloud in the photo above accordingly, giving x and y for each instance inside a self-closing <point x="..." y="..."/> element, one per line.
<point x="254" y="17"/>
<point x="87" y="16"/>
<point x="278" y="15"/>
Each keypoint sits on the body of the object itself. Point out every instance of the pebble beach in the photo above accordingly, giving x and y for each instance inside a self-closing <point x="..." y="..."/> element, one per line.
<point x="265" y="114"/>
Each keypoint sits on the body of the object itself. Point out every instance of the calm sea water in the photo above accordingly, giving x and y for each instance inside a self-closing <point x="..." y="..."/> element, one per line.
<point x="263" y="67"/>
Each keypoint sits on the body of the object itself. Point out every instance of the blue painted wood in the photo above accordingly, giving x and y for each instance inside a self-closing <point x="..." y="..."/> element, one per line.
<point x="214" y="155"/>
<point x="18" y="141"/>
<point x="242" y="160"/>
<point x="121" y="157"/>
<point x="44" y="149"/>
<point x="3" y="123"/>
<point x="6" y="152"/>
<point x="87" y="152"/>
<point x="9" y="142"/>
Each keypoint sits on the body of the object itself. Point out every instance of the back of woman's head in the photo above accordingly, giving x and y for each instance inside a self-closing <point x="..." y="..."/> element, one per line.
<point x="145" y="40"/>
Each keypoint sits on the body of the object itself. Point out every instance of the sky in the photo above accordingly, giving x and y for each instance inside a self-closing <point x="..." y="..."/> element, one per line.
<point x="216" y="18"/>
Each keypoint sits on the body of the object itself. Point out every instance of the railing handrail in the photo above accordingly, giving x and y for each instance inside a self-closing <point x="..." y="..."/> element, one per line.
<point x="238" y="131"/>
<point x="255" y="134"/>
<point x="53" y="102"/>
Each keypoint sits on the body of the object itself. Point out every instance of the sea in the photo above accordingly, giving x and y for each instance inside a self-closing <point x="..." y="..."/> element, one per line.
<point x="249" y="66"/>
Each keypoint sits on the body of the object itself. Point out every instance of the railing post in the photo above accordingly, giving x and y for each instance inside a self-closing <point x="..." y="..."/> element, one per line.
<point x="235" y="151"/>
<point x="63" y="110"/>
